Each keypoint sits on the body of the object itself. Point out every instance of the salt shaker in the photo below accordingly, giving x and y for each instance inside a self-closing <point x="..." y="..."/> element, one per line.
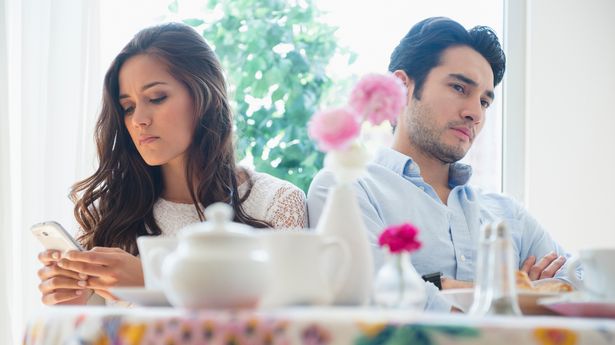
<point x="483" y="288"/>
<point x="501" y="295"/>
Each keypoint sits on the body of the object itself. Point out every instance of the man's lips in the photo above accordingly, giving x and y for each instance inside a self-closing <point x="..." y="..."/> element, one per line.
<point x="464" y="131"/>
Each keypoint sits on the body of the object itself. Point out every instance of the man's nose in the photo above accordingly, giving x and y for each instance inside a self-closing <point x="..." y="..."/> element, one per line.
<point x="473" y="111"/>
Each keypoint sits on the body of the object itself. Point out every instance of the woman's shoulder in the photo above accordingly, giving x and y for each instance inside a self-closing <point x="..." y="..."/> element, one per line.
<point x="269" y="183"/>
<point x="276" y="201"/>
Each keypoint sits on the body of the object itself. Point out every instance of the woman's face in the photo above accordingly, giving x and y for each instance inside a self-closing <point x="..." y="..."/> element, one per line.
<point x="158" y="110"/>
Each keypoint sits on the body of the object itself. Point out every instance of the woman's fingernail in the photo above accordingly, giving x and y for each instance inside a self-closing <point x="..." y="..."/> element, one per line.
<point x="83" y="276"/>
<point x="55" y="255"/>
<point x="61" y="263"/>
<point x="82" y="283"/>
<point x="78" y="292"/>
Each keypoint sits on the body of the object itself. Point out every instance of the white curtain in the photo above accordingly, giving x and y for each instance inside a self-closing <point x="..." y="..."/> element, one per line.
<point x="5" y="236"/>
<point x="50" y="92"/>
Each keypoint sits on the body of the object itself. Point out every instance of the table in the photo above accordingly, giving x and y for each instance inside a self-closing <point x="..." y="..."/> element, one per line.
<point x="309" y="326"/>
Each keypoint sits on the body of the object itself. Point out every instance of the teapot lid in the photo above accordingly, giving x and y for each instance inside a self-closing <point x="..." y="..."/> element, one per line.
<point x="218" y="223"/>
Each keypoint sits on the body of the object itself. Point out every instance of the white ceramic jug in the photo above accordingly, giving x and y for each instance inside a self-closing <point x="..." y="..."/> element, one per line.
<point x="217" y="264"/>
<point x="342" y="219"/>
<point x="299" y="262"/>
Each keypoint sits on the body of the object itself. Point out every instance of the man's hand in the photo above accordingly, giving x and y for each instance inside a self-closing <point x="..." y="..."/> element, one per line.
<point x="544" y="268"/>
<point x="105" y="268"/>
<point x="450" y="283"/>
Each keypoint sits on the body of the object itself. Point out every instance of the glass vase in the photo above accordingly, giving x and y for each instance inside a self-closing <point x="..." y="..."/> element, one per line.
<point x="398" y="284"/>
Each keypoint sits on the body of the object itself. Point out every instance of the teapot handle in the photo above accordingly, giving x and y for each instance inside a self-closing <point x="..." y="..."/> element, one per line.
<point x="339" y="275"/>
<point x="153" y="259"/>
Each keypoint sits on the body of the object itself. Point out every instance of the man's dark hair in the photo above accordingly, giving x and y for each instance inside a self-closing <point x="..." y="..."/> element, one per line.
<point x="421" y="49"/>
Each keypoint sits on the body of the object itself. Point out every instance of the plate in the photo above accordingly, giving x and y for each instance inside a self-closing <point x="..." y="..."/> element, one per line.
<point x="142" y="296"/>
<point x="580" y="305"/>
<point x="528" y="300"/>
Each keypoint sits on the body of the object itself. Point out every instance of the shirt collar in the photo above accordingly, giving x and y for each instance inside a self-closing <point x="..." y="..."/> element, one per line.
<point x="459" y="173"/>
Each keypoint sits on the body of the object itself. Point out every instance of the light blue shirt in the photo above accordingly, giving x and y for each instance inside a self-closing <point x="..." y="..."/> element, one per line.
<point x="393" y="192"/>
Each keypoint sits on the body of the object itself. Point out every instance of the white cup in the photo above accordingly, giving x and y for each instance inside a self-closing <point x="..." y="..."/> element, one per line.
<point x="598" y="272"/>
<point x="152" y="251"/>
<point x="299" y="263"/>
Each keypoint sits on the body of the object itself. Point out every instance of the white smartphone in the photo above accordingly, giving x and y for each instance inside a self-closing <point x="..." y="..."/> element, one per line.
<point x="53" y="236"/>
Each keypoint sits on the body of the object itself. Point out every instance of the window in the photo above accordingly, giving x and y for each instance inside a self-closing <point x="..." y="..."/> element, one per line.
<point x="374" y="31"/>
<point x="370" y="31"/>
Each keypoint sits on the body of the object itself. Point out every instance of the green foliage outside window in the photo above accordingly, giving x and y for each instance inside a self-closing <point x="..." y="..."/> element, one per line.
<point x="274" y="53"/>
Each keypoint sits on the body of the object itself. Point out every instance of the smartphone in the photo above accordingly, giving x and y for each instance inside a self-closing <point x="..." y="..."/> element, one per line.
<point x="53" y="236"/>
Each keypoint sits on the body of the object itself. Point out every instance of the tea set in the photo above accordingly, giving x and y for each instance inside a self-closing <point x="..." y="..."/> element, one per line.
<point x="222" y="264"/>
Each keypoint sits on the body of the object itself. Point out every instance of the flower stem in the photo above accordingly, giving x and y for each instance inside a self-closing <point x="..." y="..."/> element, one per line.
<point x="400" y="269"/>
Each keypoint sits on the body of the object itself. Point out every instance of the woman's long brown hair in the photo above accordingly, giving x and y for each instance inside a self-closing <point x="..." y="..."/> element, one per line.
<point x="114" y="206"/>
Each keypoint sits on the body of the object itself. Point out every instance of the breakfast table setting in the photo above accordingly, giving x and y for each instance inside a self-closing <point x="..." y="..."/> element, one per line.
<point x="220" y="282"/>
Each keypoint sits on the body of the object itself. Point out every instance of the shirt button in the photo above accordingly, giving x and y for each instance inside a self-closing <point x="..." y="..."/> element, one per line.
<point x="463" y="258"/>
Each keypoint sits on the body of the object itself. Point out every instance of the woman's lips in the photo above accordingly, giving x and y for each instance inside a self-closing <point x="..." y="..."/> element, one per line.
<point x="147" y="139"/>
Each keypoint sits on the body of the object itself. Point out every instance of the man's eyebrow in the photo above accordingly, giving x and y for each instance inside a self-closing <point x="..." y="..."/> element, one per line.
<point x="469" y="81"/>
<point x="145" y="87"/>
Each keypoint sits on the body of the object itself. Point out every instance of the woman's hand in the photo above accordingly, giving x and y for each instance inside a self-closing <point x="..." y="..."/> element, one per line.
<point x="105" y="268"/>
<point x="60" y="286"/>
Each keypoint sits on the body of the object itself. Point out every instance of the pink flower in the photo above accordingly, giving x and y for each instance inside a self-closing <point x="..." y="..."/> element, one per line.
<point x="334" y="128"/>
<point x="378" y="97"/>
<point x="400" y="238"/>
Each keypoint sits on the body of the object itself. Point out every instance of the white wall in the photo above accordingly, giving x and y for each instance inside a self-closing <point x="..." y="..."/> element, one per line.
<point x="570" y="119"/>
<point x="5" y="236"/>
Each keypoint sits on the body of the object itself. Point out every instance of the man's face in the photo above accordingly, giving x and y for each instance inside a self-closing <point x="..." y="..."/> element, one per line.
<point x="452" y="105"/>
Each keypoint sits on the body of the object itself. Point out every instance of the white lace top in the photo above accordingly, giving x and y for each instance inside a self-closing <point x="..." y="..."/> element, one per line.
<point x="278" y="202"/>
<point x="275" y="201"/>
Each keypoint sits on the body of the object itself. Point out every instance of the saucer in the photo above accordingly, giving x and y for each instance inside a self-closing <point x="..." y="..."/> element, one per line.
<point x="141" y="296"/>
<point x="579" y="304"/>
<point x="528" y="300"/>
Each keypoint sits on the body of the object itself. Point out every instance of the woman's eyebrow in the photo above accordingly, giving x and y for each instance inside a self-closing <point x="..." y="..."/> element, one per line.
<point x="145" y="87"/>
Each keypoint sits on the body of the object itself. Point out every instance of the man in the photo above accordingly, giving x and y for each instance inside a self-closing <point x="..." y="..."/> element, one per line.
<point x="450" y="74"/>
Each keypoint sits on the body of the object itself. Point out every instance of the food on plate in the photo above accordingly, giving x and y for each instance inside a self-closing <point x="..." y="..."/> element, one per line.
<point x="544" y="286"/>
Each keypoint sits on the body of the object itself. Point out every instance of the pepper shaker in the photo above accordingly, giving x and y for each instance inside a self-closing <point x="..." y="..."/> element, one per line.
<point x="483" y="286"/>
<point x="502" y="297"/>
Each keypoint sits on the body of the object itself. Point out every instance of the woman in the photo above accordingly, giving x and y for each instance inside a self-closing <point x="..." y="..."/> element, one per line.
<point x="164" y="139"/>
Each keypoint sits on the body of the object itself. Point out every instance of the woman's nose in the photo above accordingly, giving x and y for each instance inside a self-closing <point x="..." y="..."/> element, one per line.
<point x="141" y="117"/>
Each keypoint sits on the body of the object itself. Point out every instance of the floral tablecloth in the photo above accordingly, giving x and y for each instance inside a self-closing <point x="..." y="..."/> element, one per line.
<point x="168" y="326"/>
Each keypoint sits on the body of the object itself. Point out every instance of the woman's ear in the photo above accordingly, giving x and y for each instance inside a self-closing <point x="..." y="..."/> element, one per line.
<point x="406" y="80"/>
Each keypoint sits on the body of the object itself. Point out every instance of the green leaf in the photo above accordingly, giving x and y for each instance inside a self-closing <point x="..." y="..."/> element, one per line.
<point x="173" y="6"/>
<point x="310" y="159"/>
<point x="194" y="22"/>
<point x="277" y="94"/>
<point x="352" y="58"/>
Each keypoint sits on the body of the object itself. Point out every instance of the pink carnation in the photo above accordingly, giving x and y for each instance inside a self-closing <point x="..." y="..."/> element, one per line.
<point x="334" y="128"/>
<point x="400" y="238"/>
<point x="378" y="97"/>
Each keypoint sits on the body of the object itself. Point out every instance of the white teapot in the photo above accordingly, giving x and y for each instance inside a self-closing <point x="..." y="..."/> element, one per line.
<point x="217" y="264"/>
